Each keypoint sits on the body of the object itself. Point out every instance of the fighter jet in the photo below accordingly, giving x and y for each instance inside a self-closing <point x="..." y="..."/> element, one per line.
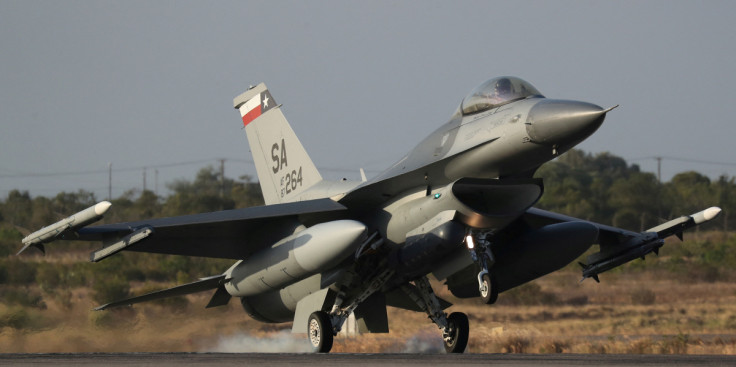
<point x="458" y="207"/>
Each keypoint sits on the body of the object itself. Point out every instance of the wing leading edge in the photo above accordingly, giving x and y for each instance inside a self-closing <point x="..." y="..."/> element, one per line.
<point x="229" y="234"/>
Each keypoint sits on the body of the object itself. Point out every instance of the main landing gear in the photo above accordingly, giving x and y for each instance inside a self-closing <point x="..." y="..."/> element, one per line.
<point x="322" y="326"/>
<point x="480" y="250"/>
<point x="455" y="327"/>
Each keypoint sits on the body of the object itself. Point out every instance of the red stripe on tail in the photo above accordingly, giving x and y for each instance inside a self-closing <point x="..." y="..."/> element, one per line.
<point x="251" y="115"/>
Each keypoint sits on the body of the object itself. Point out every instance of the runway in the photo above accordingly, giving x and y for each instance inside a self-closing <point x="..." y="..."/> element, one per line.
<point x="384" y="360"/>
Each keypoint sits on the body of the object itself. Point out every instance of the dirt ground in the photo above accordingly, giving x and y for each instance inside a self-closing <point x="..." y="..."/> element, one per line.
<point x="623" y="314"/>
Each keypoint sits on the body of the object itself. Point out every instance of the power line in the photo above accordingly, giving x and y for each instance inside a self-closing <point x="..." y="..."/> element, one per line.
<point x="687" y="160"/>
<point x="108" y="170"/>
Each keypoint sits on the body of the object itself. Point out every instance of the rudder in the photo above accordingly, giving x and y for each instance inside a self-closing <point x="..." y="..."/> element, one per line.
<point x="283" y="166"/>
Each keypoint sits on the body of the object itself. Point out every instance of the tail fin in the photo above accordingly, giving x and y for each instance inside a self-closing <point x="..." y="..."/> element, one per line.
<point x="283" y="166"/>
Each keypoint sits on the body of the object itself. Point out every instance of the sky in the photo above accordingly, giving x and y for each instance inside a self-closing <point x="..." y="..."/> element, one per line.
<point x="134" y="84"/>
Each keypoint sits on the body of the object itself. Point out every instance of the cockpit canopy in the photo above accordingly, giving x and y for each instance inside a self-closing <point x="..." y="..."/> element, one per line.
<point x="496" y="92"/>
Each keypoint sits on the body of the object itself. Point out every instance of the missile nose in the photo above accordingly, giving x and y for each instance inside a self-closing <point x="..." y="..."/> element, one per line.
<point x="558" y="122"/>
<point x="706" y="215"/>
<point x="101" y="207"/>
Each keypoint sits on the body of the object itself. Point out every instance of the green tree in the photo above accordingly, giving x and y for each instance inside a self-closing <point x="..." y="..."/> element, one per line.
<point x="205" y="194"/>
<point x="636" y="199"/>
<point x="17" y="209"/>
<point x="689" y="192"/>
<point x="67" y="203"/>
<point x="725" y="189"/>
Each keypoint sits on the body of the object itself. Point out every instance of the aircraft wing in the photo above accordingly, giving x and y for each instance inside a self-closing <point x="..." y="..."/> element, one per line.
<point x="607" y="235"/>
<point x="619" y="246"/>
<point x="229" y="234"/>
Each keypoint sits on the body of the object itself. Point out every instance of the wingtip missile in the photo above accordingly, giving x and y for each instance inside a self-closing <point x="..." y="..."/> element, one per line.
<point x="648" y="241"/>
<point x="678" y="225"/>
<point x="73" y="222"/>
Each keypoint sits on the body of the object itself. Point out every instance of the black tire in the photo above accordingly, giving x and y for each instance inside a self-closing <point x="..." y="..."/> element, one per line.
<point x="459" y="330"/>
<point x="319" y="332"/>
<point x="488" y="291"/>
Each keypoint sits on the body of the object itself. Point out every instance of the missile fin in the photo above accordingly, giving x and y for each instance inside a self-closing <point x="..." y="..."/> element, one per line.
<point x="38" y="246"/>
<point x="679" y="235"/>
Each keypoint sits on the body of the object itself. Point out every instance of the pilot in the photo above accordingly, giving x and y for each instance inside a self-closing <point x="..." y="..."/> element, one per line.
<point x="502" y="89"/>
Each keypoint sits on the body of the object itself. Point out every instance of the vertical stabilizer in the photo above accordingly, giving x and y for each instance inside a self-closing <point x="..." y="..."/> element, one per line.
<point x="283" y="166"/>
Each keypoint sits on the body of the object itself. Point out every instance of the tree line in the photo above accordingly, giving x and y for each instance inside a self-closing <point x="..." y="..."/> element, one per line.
<point x="26" y="281"/>
<point x="604" y="188"/>
<point x="598" y="187"/>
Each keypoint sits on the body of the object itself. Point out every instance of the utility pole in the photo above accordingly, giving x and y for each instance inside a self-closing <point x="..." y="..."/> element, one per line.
<point x="109" y="181"/>
<point x="155" y="189"/>
<point x="659" y="169"/>
<point x="222" y="178"/>
<point x="144" y="178"/>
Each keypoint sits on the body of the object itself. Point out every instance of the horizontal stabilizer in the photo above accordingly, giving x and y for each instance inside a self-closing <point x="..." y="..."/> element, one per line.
<point x="201" y="285"/>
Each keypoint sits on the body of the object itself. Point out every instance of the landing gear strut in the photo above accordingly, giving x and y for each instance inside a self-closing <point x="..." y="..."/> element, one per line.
<point x="480" y="250"/>
<point x="455" y="328"/>
<point x="322" y="326"/>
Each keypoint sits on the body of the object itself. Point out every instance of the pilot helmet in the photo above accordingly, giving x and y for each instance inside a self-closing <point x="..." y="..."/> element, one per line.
<point x="503" y="87"/>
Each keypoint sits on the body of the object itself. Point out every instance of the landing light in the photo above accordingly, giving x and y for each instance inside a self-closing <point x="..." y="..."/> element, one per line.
<point x="469" y="242"/>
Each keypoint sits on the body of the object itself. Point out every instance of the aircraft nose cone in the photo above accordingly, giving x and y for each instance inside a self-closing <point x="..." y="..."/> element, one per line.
<point x="560" y="122"/>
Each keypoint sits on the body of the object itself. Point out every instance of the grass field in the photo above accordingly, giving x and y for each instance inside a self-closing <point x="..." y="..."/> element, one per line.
<point x="624" y="314"/>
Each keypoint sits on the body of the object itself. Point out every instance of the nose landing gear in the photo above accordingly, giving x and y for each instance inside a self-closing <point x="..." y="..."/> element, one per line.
<point x="480" y="250"/>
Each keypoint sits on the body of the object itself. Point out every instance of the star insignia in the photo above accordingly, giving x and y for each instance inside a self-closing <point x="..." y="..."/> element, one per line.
<point x="265" y="101"/>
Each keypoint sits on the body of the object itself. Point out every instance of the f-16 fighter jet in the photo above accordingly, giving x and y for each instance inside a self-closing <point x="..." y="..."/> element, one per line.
<point x="458" y="206"/>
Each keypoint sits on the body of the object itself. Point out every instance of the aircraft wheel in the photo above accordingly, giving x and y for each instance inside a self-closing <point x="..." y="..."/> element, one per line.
<point x="320" y="334"/>
<point x="459" y="330"/>
<point x="488" y="290"/>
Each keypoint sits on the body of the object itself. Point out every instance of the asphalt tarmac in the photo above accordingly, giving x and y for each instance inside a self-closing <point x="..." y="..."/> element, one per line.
<point x="384" y="360"/>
